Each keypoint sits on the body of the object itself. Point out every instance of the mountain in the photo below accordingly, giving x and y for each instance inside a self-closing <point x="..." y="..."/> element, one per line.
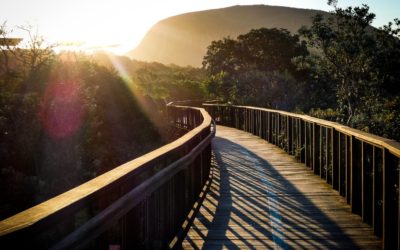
<point x="183" y="39"/>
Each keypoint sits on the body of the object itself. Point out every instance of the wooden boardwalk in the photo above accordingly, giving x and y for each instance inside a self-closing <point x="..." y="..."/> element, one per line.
<point x="260" y="197"/>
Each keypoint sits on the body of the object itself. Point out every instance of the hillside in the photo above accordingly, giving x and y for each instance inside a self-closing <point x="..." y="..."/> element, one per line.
<point x="183" y="39"/>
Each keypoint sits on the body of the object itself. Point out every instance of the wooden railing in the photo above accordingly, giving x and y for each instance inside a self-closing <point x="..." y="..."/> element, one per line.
<point x="142" y="204"/>
<point x="364" y="168"/>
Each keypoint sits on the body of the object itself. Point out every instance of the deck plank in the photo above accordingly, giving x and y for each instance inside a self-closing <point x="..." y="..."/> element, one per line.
<point x="262" y="198"/>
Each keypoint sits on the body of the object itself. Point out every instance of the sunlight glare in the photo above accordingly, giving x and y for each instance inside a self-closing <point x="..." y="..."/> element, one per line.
<point x="123" y="73"/>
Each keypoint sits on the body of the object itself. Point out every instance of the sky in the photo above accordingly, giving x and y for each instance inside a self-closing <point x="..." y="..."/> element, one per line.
<point x="119" y="25"/>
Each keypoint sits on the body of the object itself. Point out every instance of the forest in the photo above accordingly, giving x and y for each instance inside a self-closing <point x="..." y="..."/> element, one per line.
<point x="64" y="119"/>
<point x="67" y="117"/>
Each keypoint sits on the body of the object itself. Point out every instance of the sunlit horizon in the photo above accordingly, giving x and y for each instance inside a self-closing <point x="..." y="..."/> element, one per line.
<point x="119" y="26"/>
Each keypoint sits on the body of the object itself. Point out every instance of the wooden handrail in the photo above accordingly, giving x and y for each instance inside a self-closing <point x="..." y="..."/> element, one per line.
<point x="392" y="145"/>
<point x="157" y="167"/>
<point x="100" y="222"/>
<point x="364" y="168"/>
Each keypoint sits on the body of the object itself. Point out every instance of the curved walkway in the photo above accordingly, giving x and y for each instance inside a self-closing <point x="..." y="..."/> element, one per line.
<point x="261" y="197"/>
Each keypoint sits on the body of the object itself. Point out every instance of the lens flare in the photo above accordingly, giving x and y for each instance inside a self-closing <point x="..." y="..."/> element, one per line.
<point x="123" y="73"/>
<point x="61" y="109"/>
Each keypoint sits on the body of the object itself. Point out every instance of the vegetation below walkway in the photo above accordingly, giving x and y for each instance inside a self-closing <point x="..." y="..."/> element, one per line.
<point x="64" y="119"/>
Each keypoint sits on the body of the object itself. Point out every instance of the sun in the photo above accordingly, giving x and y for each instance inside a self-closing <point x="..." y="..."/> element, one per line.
<point x="83" y="38"/>
<point x="93" y="25"/>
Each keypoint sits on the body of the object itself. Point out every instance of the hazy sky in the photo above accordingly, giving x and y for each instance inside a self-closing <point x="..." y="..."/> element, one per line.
<point x="122" y="23"/>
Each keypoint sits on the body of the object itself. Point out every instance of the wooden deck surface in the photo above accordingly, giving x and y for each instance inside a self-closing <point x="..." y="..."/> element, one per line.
<point x="262" y="198"/>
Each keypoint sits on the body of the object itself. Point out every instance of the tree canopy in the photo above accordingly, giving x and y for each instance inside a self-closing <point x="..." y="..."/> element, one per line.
<point x="64" y="119"/>
<point x="361" y="63"/>
<point x="256" y="68"/>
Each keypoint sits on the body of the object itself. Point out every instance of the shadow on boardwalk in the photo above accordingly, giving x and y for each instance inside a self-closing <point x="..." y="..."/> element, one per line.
<point x="254" y="203"/>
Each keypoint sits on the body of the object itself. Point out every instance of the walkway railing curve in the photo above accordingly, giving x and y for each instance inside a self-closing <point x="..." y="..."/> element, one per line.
<point x="141" y="204"/>
<point x="364" y="168"/>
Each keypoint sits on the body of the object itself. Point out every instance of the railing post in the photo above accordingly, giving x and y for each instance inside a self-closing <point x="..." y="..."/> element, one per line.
<point x="273" y="125"/>
<point x="356" y="172"/>
<point x="302" y="131"/>
<point x="311" y="142"/>
<point x="335" y="152"/>
<point x="384" y="202"/>
<point x="245" y="120"/>
<point x="263" y="123"/>
<point x="289" y="134"/>
<point x="269" y="127"/>
<point x="277" y="130"/>
<point x="259" y="123"/>
<point x="368" y="183"/>
<point x="307" y="142"/>
<point x="253" y="122"/>
<point x="321" y="151"/>
<point x="376" y="194"/>
<point x="327" y="145"/>
<point x="316" y="149"/>
<point x="342" y="164"/>
<point x="390" y="202"/>
<point x="348" y="169"/>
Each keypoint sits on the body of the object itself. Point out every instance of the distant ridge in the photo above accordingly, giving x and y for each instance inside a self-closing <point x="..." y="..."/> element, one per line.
<point x="183" y="39"/>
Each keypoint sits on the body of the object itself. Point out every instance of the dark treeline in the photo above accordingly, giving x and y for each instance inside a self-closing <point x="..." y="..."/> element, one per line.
<point x="163" y="83"/>
<point x="155" y="84"/>
<point x="64" y="119"/>
<point x="340" y="68"/>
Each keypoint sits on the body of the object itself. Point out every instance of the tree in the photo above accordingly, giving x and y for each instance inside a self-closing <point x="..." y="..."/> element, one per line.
<point x="170" y="83"/>
<point x="256" y="68"/>
<point x="25" y="59"/>
<point x="360" y="62"/>
<point x="63" y="120"/>
<point x="36" y="54"/>
<point x="7" y="45"/>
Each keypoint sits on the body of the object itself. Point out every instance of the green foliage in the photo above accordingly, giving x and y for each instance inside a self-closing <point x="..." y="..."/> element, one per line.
<point x="317" y="90"/>
<point x="64" y="119"/>
<point x="170" y="83"/>
<point x="328" y="114"/>
<point x="219" y="86"/>
<point x="157" y="82"/>
<point x="256" y="68"/>
<point x="361" y="64"/>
